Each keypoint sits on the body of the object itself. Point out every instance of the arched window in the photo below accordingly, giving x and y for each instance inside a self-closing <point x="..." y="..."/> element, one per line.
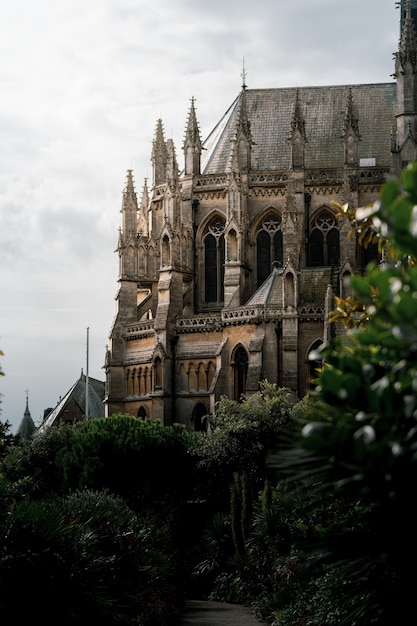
<point x="142" y="413"/>
<point x="240" y="365"/>
<point x="314" y="362"/>
<point x="214" y="261"/>
<point x="166" y="251"/>
<point x="370" y="253"/>
<point x="199" y="412"/>
<point x="158" y="373"/>
<point x="232" y="246"/>
<point x="324" y="244"/>
<point x="269" y="247"/>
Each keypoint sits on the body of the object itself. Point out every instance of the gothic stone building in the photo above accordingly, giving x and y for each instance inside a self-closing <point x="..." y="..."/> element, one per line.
<point x="229" y="262"/>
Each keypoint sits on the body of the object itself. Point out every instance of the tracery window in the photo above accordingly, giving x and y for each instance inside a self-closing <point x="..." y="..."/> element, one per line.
<point x="214" y="261"/>
<point x="324" y="243"/>
<point x="269" y="247"/>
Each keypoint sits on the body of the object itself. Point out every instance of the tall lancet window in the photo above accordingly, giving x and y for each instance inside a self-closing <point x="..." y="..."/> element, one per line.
<point x="214" y="261"/>
<point x="269" y="247"/>
<point x="324" y="241"/>
<point x="240" y="366"/>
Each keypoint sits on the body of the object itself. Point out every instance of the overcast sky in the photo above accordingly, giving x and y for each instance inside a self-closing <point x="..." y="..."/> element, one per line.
<point x="83" y="83"/>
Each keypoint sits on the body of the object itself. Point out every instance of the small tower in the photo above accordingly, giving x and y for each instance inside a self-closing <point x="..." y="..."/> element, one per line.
<point x="350" y="136"/>
<point x="27" y="425"/>
<point x="159" y="155"/>
<point x="192" y="143"/>
<point x="406" y="76"/>
<point x="298" y="137"/>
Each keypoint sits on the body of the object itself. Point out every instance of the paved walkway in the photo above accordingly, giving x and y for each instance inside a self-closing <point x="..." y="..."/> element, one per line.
<point x="206" y="613"/>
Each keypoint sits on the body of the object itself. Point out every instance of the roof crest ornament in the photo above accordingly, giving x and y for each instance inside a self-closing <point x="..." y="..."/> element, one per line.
<point x="243" y="74"/>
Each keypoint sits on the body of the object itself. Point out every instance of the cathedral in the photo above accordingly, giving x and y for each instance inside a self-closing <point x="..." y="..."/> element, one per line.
<point x="230" y="258"/>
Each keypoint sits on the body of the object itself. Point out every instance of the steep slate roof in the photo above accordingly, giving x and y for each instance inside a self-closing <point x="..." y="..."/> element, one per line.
<point x="270" y="113"/>
<point x="270" y="292"/>
<point x="73" y="404"/>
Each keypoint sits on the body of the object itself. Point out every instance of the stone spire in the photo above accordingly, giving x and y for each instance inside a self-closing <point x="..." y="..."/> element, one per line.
<point x="350" y="135"/>
<point x="406" y="76"/>
<point x="159" y="155"/>
<point x="240" y="155"/>
<point x="192" y="143"/>
<point x="407" y="51"/>
<point x="142" y="224"/>
<point x="27" y="426"/>
<point x="298" y="137"/>
<point x="129" y="207"/>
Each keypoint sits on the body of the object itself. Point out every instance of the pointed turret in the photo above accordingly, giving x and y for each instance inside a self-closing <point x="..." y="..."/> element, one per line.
<point x="192" y="143"/>
<point x="143" y="223"/>
<point x="172" y="172"/>
<point x="298" y="137"/>
<point x="129" y="208"/>
<point x="350" y="135"/>
<point x="406" y="75"/>
<point x="159" y="155"/>
<point x="128" y="233"/>
<point x="407" y="52"/>
<point x="27" y="425"/>
<point x="240" y="155"/>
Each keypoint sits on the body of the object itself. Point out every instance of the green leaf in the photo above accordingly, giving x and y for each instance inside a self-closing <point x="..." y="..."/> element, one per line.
<point x="390" y="191"/>
<point x="361" y="288"/>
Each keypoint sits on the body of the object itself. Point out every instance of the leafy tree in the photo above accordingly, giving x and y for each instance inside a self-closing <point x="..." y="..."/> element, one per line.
<point x="242" y="434"/>
<point x="140" y="460"/>
<point x="360" y="441"/>
<point x="1" y="374"/>
<point x="32" y="465"/>
<point x="97" y="559"/>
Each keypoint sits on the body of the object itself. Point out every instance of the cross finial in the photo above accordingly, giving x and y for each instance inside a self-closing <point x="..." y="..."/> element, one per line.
<point x="243" y="74"/>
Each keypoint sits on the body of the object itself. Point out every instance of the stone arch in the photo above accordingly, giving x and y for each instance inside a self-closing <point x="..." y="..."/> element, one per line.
<point x="166" y="251"/>
<point x="210" y="373"/>
<point x="197" y="418"/>
<point x="192" y="378"/>
<point x="182" y="378"/>
<point x="211" y="244"/>
<point x="289" y="290"/>
<point x="268" y="239"/>
<point x="324" y="238"/>
<point x="157" y="366"/>
<point x="151" y="262"/>
<point x="232" y="245"/>
<point x="142" y="412"/>
<point x="201" y="376"/>
<point x="240" y="364"/>
<point x="313" y="361"/>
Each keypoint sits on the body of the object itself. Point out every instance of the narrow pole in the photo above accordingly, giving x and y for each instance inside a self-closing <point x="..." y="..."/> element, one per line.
<point x="86" y="381"/>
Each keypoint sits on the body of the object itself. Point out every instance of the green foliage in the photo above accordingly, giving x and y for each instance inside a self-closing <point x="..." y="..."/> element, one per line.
<point x="242" y="435"/>
<point x="32" y="465"/>
<point x="360" y="439"/>
<point x="141" y="460"/>
<point x="88" y="551"/>
<point x="7" y="440"/>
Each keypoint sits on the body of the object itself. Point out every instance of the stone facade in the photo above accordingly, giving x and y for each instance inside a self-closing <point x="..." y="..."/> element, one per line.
<point x="228" y="266"/>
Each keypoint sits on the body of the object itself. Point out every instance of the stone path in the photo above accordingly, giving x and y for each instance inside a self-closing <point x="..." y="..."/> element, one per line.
<point x="207" y="613"/>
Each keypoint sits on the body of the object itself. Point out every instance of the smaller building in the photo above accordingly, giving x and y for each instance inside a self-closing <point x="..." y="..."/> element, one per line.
<point x="84" y="399"/>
